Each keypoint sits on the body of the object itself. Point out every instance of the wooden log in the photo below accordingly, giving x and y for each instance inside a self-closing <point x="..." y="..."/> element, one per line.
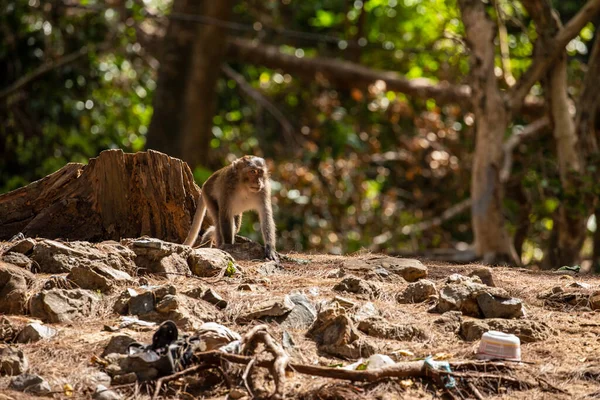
<point x="116" y="195"/>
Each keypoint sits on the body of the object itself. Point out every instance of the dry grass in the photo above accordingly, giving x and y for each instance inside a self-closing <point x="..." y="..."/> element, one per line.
<point x="566" y="361"/>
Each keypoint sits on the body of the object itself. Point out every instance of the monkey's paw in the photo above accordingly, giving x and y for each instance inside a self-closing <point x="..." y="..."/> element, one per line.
<point x="271" y="254"/>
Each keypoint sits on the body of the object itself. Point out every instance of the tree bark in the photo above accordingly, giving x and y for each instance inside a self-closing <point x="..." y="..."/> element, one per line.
<point x="116" y="195"/>
<point x="569" y="228"/>
<point x="184" y="101"/>
<point x="492" y="241"/>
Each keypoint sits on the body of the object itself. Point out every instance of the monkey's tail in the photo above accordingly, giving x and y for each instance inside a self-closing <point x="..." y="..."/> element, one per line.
<point x="197" y="222"/>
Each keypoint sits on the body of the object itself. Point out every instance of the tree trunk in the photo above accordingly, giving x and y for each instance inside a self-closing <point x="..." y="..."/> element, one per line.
<point x="185" y="96"/>
<point x="116" y="195"/>
<point x="492" y="241"/>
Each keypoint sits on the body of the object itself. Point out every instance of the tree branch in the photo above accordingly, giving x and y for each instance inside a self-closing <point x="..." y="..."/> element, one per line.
<point x="288" y="129"/>
<point x="43" y="69"/>
<point x="516" y="139"/>
<point x="345" y="73"/>
<point x="589" y="102"/>
<point x="543" y="61"/>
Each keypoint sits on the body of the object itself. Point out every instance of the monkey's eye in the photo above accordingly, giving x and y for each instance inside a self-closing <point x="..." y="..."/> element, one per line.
<point x="253" y="172"/>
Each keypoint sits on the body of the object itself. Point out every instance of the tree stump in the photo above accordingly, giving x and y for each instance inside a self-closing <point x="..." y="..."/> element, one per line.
<point x="116" y="195"/>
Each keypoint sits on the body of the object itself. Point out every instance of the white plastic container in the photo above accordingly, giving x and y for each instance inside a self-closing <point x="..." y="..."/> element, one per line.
<point x="500" y="345"/>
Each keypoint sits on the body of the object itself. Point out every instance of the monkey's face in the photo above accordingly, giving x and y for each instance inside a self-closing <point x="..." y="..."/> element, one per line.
<point x="255" y="179"/>
<point x="253" y="171"/>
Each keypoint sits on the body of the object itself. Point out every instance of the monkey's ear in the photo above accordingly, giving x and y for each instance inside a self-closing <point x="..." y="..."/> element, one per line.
<point x="236" y="163"/>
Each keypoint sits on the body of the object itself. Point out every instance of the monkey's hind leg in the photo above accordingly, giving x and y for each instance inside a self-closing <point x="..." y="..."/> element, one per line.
<point x="208" y="238"/>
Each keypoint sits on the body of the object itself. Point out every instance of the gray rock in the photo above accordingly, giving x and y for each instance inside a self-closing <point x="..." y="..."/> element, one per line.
<point x="210" y="262"/>
<point x="159" y="257"/>
<point x="302" y="315"/>
<point x="24" y="246"/>
<point x="56" y="257"/>
<point x="118" y="344"/>
<point x="213" y="336"/>
<point x="418" y="292"/>
<point x="58" y="282"/>
<point x="411" y="270"/>
<point x="196" y="293"/>
<point x="92" y="378"/>
<point x="495" y="307"/>
<point x="461" y="293"/>
<point x="269" y="268"/>
<point x="335" y="334"/>
<point x="485" y="274"/>
<point x="527" y="331"/>
<point x="380" y="328"/>
<point x="14" y="283"/>
<point x="336" y="273"/>
<point x="35" y="332"/>
<point x="104" y="393"/>
<point x="30" y="383"/>
<point x="214" y="298"/>
<point x="98" y="276"/>
<point x="268" y="308"/>
<point x="60" y="305"/>
<point x="365" y="311"/>
<point x="344" y="302"/>
<point x="357" y="285"/>
<point x="142" y="303"/>
<point x="20" y="260"/>
<point x="12" y="361"/>
<point x="161" y="291"/>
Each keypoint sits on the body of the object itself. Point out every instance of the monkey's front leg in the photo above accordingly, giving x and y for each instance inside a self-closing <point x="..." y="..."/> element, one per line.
<point x="227" y="225"/>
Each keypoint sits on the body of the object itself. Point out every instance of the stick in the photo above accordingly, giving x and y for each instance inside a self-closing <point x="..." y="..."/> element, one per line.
<point x="516" y="139"/>
<point x="176" y="375"/>
<point x="475" y="391"/>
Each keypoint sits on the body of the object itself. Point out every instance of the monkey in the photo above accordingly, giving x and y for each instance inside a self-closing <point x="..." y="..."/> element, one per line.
<point x="227" y="194"/>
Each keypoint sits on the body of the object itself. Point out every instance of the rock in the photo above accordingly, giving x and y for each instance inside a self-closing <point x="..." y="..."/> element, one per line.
<point x="21" y="261"/>
<point x="495" y="307"/>
<point x="336" y="273"/>
<point x="245" y="249"/>
<point x="335" y="334"/>
<point x="34" y="332"/>
<point x="30" y="383"/>
<point x="8" y="330"/>
<point x="461" y="293"/>
<point x="411" y="270"/>
<point x="269" y="268"/>
<point x="142" y="303"/>
<point x="449" y="321"/>
<point x="196" y="293"/>
<point x="245" y="287"/>
<point x="121" y="305"/>
<point x="418" y="292"/>
<point x="214" y="336"/>
<point x="214" y="298"/>
<point x="118" y="344"/>
<point x="161" y="291"/>
<point x="167" y="304"/>
<point x="268" y="308"/>
<point x="58" y="282"/>
<point x="124" y="379"/>
<point x="344" y="302"/>
<point x="14" y="283"/>
<point x="527" y="331"/>
<point x="210" y="262"/>
<point x="12" y="361"/>
<point x="104" y="393"/>
<point x="55" y="257"/>
<point x="578" y="285"/>
<point x="595" y="301"/>
<point x="159" y="257"/>
<point x="24" y="246"/>
<point x="98" y="276"/>
<point x="485" y="274"/>
<point x="354" y="284"/>
<point x="380" y="328"/>
<point x="365" y="311"/>
<point x="302" y="315"/>
<point x="59" y="305"/>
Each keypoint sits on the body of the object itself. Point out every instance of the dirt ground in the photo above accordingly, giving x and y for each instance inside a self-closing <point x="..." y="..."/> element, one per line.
<point x="565" y="366"/>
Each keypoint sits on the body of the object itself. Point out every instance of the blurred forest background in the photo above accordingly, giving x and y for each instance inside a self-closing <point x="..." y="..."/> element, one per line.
<point x="390" y="125"/>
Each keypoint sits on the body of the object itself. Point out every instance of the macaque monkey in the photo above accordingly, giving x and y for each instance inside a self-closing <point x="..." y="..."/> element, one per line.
<point x="242" y="186"/>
